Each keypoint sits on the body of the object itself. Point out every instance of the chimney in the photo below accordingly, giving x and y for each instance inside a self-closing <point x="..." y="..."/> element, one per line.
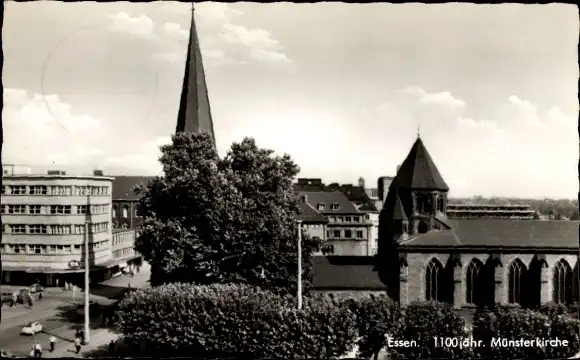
<point x="98" y="172"/>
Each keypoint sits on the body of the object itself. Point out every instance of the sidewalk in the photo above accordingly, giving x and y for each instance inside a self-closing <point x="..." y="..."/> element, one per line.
<point x="99" y="341"/>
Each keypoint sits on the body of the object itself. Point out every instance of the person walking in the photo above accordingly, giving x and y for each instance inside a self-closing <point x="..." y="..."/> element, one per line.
<point x="78" y="344"/>
<point x="37" y="350"/>
<point x="40" y="296"/>
<point x="33" y="351"/>
<point x="52" y="342"/>
<point x="57" y="282"/>
<point x="112" y="348"/>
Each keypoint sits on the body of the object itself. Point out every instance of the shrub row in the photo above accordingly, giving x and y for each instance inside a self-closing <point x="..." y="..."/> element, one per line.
<point x="228" y="321"/>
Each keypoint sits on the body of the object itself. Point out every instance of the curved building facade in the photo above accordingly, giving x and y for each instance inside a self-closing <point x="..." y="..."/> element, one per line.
<point x="43" y="226"/>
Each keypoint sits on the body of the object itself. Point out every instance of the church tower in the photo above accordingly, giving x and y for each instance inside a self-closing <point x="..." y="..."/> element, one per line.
<point x="194" y="109"/>
<point x="422" y="192"/>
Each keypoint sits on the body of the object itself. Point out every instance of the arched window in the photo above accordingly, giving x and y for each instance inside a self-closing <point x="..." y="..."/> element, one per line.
<point x="517" y="281"/>
<point x="434" y="281"/>
<point x="563" y="283"/>
<point x="114" y="211"/>
<point x="125" y="212"/>
<point x="475" y="284"/>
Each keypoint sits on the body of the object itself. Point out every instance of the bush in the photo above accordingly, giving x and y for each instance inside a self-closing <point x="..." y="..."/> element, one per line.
<point x="564" y="327"/>
<point x="228" y="321"/>
<point x="376" y="316"/>
<point x="510" y="323"/>
<point x="425" y="321"/>
<point x="552" y="309"/>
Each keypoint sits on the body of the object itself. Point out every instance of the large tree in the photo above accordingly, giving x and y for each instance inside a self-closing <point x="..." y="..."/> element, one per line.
<point x="232" y="220"/>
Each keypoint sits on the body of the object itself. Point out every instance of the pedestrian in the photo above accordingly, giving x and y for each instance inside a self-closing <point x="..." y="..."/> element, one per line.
<point x="57" y="283"/>
<point x="66" y="286"/>
<point x="52" y="342"/>
<point x="78" y="344"/>
<point x="33" y="351"/>
<point x="37" y="350"/>
<point x="40" y="296"/>
<point x="112" y="348"/>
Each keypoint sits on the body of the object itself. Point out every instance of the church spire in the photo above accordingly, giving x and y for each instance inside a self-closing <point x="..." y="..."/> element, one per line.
<point x="194" y="109"/>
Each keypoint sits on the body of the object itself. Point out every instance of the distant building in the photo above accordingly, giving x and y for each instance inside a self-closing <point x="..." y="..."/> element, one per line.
<point x="124" y="253"/>
<point x="347" y="232"/>
<point x="43" y="225"/>
<point x="124" y="210"/>
<point x="488" y="211"/>
<point x="313" y="223"/>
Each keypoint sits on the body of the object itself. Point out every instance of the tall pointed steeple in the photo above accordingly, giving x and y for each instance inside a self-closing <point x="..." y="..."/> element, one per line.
<point x="194" y="109"/>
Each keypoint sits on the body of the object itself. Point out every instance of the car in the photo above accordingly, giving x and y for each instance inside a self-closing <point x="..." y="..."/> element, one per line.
<point x="36" y="288"/>
<point x="31" y="329"/>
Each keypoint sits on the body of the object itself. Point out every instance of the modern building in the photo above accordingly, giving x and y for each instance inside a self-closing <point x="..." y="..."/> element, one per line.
<point x="490" y="211"/>
<point x="124" y="253"/>
<point x="347" y="232"/>
<point x="43" y="225"/>
<point x="125" y="199"/>
<point x="425" y="255"/>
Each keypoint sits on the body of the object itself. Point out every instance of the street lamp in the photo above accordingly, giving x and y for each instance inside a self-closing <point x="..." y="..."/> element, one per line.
<point x="299" y="222"/>
<point x="87" y="281"/>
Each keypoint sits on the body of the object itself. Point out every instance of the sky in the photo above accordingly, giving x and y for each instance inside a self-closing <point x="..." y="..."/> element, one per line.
<point x="342" y="88"/>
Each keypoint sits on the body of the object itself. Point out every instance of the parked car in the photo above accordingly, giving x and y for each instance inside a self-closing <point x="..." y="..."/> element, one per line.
<point x="31" y="329"/>
<point x="36" y="288"/>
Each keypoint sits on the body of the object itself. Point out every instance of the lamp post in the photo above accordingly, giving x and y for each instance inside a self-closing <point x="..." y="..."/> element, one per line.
<point x="87" y="281"/>
<point x="299" y="264"/>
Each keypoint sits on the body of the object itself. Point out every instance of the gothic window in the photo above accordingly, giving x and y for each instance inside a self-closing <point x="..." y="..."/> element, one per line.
<point x="517" y="282"/>
<point x="114" y="211"/>
<point x="563" y="283"/>
<point x="475" y="284"/>
<point x="125" y="212"/>
<point x="434" y="281"/>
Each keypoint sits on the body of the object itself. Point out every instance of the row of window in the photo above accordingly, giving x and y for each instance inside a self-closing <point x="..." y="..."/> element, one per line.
<point x="523" y="283"/>
<point x="124" y="238"/>
<point x="54" y="209"/>
<point x="346" y="219"/>
<point x="94" y="228"/>
<point x="55" y="190"/>
<point x="50" y="249"/>
<point x="322" y="206"/>
<point x="125" y="211"/>
<point x="344" y="234"/>
<point x="123" y="253"/>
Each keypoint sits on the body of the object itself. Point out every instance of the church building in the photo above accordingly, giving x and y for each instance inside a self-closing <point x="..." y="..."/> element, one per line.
<point x="425" y="255"/>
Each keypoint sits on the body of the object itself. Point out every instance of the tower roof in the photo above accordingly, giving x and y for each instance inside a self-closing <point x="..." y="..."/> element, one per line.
<point x="399" y="211"/>
<point x="194" y="109"/>
<point x="418" y="171"/>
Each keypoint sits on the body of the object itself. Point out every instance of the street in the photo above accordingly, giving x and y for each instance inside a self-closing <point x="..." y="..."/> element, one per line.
<point x="59" y="315"/>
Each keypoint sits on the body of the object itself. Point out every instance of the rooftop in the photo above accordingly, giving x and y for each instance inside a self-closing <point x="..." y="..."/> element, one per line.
<point x="123" y="186"/>
<point x="334" y="202"/>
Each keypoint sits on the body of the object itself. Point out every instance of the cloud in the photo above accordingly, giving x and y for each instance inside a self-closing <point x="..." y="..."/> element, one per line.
<point x="500" y="151"/>
<point x="224" y="42"/>
<point x="141" y="25"/>
<point x="45" y="130"/>
<point x="144" y="160"/>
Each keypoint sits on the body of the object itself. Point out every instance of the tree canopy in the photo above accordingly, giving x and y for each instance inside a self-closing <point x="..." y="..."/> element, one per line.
<point x="232" y="220"/>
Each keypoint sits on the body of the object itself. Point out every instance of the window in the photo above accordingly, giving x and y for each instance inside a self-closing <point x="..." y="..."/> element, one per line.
<point x="359" y="234"/>
<point x="136" y="215"/>
<point x="82" y="209"/>
<point x="348" y="234"/>
<point x="434" y="281"/>
<point x="37" y="229"/>
<point x="34" y="209"/>
<point x="125" y="212"/>
<point x="2" y="209"/>
<point x="60" y="248"/>
<point x="51" y="249"/>
<point x="20" y="249"/>
<point x="77" y="248"/>
<point x="475" y="289"/>
<point x="61" y="229"/>
<point x="348" y="219"/>
<point x="320" y="206"/>
<point x="3" y="189"/>
<point x="35" y="249"/>
<point x="334" y="207"/>
<point x="336" y="233"/>
<point x="125" y="226"/>
<point x="79" y="229"/>
<point x="17" y="229"/>
<point x="18" y="190"/>
<point x="114" y="211"/>
<point x="563" y="283"/>
<point x="517" y="278"/>
<point x="60" y="209"/>
<point x="38" y="190"/>
<point x="67" y="248"/>
<point x="16" y="209"/>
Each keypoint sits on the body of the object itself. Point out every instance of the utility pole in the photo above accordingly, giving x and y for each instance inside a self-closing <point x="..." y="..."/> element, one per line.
<point x="299" y="264"/>
<point x="87" y="281"/>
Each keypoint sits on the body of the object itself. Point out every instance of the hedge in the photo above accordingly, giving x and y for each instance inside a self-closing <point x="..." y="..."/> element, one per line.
<point x="230" y="321"/>
<point x="425" y="321"/>
<point x="514" y="323"/>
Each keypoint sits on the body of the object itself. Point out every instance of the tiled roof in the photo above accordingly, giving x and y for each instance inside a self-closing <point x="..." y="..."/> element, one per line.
<point x="313" y="198"/>
<point x="345" y="272"/>
<point x="359" y="196"/>
<point x="418" y="171"/>
<point x="122" y="186"/>
<point x="309" y="215"/>
<point x="194" y="109"/>
<point x="501" y="233"/>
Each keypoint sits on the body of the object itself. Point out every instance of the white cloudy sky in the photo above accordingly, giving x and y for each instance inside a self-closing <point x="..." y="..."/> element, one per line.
<point x="340" y="87"/>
